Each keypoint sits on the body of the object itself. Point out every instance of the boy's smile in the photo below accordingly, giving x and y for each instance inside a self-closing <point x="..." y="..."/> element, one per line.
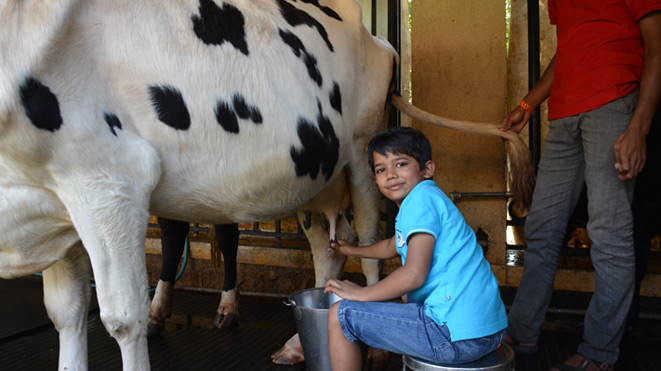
<point x="397" y="174"/>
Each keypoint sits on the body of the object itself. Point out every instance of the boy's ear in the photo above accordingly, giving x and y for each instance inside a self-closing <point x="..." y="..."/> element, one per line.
<point x="428" y="171"/>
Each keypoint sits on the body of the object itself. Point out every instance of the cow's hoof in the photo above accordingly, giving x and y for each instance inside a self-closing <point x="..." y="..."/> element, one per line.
<point x="225" y="320"/>
<point x="228" y="309"/>
<point x="377" y="359"/>
<point x="290" y="354"/>
<point x="155" y="328"/>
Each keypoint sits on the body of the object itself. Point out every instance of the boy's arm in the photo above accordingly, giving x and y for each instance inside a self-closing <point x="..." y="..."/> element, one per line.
<point x="384" y="249"/>
<point x="404" y="279"/>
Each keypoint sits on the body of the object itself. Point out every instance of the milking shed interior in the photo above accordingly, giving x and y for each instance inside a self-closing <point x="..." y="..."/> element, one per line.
<point x="466" y="60"/>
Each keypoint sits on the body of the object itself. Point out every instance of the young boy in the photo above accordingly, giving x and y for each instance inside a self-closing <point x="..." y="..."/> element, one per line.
<point x="454" y="312"/>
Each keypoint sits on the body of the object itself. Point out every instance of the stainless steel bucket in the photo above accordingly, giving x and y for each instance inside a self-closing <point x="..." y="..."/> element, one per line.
<point x="311" y="317"/>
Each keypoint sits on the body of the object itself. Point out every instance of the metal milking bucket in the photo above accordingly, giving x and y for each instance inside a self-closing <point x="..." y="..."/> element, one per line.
<point x="311" y="316"/>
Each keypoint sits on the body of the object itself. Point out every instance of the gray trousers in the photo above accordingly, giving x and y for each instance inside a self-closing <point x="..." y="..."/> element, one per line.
<point x="579" y="150"/>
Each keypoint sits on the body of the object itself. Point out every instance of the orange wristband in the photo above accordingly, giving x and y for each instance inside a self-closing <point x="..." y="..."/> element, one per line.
<point x="526" y="107"/>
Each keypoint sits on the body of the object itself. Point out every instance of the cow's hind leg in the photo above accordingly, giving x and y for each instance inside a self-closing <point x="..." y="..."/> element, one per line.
<point x="327" y="265"/>
<point x="227" y="314"/>
<point x="173" y="239"/>
<point x="67" y="299"/>
<point x="365" y="199"/>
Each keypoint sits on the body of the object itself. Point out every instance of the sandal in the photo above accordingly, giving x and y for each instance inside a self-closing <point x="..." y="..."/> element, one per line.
<point x="583" y="365"/>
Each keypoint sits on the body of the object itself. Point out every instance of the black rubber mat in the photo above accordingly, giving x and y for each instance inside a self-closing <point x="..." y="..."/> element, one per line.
<point x="22" y="307"/>
<point x="28" y="340"/>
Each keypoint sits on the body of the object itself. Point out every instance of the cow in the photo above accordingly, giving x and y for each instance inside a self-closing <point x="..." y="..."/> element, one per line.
<point x="210" y="111"/>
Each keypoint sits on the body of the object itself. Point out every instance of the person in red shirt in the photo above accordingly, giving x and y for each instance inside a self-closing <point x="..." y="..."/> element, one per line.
<point x="603" y="86"/>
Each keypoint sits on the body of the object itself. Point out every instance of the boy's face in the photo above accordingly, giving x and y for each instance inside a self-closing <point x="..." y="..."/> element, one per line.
<point x="397" y="174"/>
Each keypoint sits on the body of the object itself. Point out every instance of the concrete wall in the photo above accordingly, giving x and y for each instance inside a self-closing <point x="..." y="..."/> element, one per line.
<point x="459" y="69"/>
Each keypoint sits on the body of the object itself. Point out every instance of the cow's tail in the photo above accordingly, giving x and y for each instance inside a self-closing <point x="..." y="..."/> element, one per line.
<point x="522" y="176"/>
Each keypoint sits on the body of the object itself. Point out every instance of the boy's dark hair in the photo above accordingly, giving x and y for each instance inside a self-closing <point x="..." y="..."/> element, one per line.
<point x="400" y="140"/>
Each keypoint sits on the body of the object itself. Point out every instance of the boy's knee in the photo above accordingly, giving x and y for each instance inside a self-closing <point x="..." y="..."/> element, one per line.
<point x="333" y="320"/>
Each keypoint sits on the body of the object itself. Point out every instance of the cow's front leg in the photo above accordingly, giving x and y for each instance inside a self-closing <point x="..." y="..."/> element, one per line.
<point x="117" y="253"/>
<point x="108" y="205"/>
<point x="122" y="292"/>
<point x="67" y="299"/>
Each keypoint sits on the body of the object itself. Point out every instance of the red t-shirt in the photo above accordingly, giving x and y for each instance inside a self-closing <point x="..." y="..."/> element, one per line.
<point x="600" y="52"/>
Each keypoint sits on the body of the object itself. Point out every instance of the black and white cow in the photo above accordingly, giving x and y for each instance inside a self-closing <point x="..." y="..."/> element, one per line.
<point x="199" y="110"/>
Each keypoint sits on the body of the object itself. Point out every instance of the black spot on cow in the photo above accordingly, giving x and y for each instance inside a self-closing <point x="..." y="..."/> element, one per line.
<point x="228" y="114"/>
<point x="296" y="17"/>
<point x="245" y="110"/>
<point x="113" y="122"/>
<point x="299" y="50"/>
<point x="41" y="105"/>
<point x="216" y="25"/>
<point x="320" y="150"/>
<point x="226" y="117"/>
<point x="170" y="107"/>
<point x="328" y="11"/>
<point x="336" y="98"/>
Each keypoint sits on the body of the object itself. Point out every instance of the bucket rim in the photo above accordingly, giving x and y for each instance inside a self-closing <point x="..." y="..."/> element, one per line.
<point x="293" y="303"/>
<point x="306" y="290"/>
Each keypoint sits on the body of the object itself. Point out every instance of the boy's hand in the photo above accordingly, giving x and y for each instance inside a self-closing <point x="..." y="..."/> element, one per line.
<point x="342" y="246"/>
<point x="344" y="289"/>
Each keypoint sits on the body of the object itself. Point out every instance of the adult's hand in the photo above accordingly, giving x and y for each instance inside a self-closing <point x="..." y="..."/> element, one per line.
<point x="515" y="120"/>
<point x="630" y="153"/>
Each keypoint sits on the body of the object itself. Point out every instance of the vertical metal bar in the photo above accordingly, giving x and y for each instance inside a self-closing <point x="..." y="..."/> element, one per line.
<point x="534" y="127"/>
<point x="278" y="229"/>
<point x="374" y="17"/>
<point x="394" y="37"/>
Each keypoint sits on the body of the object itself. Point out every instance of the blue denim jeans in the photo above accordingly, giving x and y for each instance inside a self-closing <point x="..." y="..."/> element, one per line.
<point x="406" y="329"/>
<point x="579" y="150"/>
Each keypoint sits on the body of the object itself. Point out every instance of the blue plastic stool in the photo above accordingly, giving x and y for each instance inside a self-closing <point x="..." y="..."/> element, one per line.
<point x="501" y="359"/>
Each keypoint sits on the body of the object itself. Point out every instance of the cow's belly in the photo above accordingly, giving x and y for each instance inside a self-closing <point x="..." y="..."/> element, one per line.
<point x="214" y="177"/>
<point x="251" y="196"/>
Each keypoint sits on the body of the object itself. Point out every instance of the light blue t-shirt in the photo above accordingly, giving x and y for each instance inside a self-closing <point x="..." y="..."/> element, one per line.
<point x="461" y="291"/>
